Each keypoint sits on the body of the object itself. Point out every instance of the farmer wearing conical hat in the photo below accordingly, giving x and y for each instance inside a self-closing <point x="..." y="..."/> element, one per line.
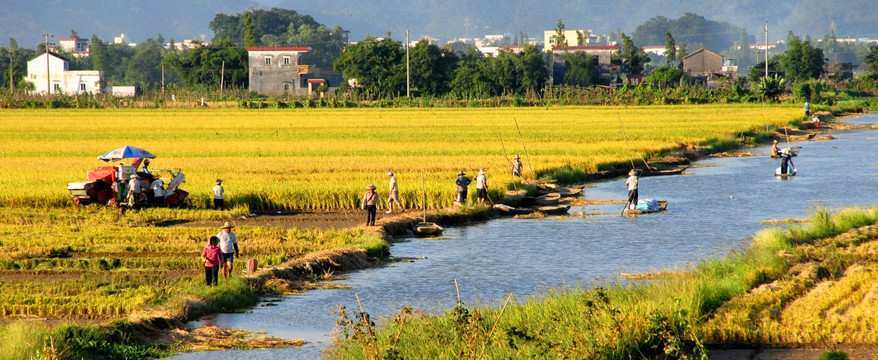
<point x="632" y="189"/>
<point x="516" y="166"/>
<point x="370" y="204"/>
<point x="218" y="191"/>
<point x="481" y="187"/>
<point x="228" y="244"/>
<point x="462" y="183"/>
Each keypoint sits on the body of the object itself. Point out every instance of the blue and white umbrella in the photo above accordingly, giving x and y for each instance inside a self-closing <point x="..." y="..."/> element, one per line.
<point x="126" y="152"/>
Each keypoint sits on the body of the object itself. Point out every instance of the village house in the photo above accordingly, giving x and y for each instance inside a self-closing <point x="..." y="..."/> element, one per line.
<point x="59" y="77"/>
<point x="707" y="66"/>
<point x="276" y="71"/>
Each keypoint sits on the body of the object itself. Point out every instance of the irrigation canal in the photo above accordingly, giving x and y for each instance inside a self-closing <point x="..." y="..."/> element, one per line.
<point x="715" y="209"/>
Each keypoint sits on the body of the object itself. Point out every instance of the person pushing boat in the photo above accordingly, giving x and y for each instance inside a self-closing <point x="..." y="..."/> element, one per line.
<point x="631" y="183"/>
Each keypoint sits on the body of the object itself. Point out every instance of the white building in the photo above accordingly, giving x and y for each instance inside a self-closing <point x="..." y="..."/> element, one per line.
<point x="572" y="37"/>
<point x="77" y="47"/>
<point x="60" y="77"/>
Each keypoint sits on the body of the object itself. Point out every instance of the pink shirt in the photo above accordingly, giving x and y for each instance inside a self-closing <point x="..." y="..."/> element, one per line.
<point x="370" y="198"/>
<point x="212" y="253"/>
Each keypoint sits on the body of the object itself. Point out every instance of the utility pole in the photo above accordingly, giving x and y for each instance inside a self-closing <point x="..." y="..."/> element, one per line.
<point x="48" y="78"/>
<point x="408" y="73"/>
<point x="163" y="78"/>
<point x="766" y="49"/>
<point x="222" y="78"/>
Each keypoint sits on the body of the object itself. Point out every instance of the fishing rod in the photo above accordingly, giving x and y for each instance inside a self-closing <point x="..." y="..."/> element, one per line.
<point x="424" y="187"/>
<point x="507" y="160"/>
<point x="627" y="138"/>
<point x="527" y="156"/>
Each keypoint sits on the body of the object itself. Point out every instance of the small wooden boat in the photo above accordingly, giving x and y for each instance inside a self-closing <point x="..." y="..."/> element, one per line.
<point x="428" y="229"/>
<point x="675" y="171"/>
<point x="548" y="199"/>
<point x="511" y="210"/>
<point x="569" y="192"/>
<point x="789" y="173"/>
<point x="554" y="209"/>
<point x="662" y="206"/>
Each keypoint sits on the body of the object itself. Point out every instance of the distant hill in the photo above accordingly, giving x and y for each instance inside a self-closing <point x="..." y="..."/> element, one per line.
<point x="187" y="19"/>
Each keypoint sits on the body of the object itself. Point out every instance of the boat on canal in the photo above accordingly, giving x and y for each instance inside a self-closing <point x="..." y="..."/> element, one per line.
<point x="647" y="207"/>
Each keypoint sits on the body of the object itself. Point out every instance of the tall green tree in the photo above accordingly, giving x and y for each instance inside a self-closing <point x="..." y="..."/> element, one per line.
<point x="581" y="69"/>
<point x="144" y="68"/>
<point x="249" y="30"/>
<point x="801" y="61"/>
<point x="560" y="39"/>
<point x="378" y="66"/>
<point x="202" y="67"/>
<point x="432" y="68"/>
<point x="670" y="49"/>
<point x="633" y="58"/>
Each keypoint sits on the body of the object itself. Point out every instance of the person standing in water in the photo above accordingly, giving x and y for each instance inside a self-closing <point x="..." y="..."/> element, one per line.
<point x="632" y="189"/>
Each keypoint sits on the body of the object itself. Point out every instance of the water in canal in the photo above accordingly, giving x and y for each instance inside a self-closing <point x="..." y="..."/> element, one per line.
<point x="713" y="210"/>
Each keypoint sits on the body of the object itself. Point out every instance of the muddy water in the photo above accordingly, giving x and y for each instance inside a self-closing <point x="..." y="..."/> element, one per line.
<point x="713" y="210"/>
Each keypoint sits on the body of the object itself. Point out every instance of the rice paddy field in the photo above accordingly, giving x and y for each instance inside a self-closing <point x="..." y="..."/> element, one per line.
<point x="325" y="158"/>
<point x="61" y="263"/>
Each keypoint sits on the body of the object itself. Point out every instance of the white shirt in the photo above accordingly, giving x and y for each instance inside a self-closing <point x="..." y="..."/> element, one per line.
<point x="481" y="181"/>
<point x="158" y="188"/>
<point x="218" y="191"/>
<point x="631" y="182"/>
<point x="134" y="185"/>
<point x="393" y="187"/>
<point x="226" y="241"/>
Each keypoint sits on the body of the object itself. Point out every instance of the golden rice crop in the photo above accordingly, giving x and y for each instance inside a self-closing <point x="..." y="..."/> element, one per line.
<point x="324" y="158"/>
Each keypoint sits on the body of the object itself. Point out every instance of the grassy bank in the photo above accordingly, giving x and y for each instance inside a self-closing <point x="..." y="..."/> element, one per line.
<point x="808" y="284"/>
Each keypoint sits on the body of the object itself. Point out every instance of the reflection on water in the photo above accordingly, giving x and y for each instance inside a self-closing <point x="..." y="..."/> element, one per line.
<point x="710" y="212"/>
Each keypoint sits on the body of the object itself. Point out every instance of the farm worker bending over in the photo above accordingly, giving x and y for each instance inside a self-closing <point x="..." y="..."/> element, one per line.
<point x="632" y="189"/>
<point x="212" y="257"/>
<point x="481" y="187"/>
<point x="158" y="191"/>
<point x="462" y="183"/>
<point x="370" y="204"/>
<point x="218" y="191"/>
<point x="228" y="244"/>
<point x="393" y="194"/>
<point x="516" y="166"/>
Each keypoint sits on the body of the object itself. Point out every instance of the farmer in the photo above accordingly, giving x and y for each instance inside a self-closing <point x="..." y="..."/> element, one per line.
<point x="774" y="150"/>
<point x="516" y="166"/>
<point x="213" y="257"/>
<point x="807" y="109"/>
<point x="632" y="189"/>
<point x="393" y="194"/>
<point x="816" y="121"/>
<point x="370" y="204"/>
<point x="228" y="244"/>
<point x="462" y="183"/>
<point x="135" y="190"/>
<point x="786" y="161"/>
<point x="481" y="187"/>
<point x="158" y="191"/>
<point x="218" y="191"/>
